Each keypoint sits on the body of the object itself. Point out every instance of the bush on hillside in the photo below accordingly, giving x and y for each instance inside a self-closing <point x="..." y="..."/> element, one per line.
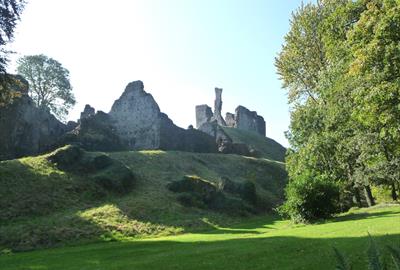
<point x="117" y="178"/>
<point x="66" y="156"/>
<point x="189" y="199"/>
<point x="197" y="192"/>
<point x="309" y="198"/>
<point x="110" y="174"/>
<point x="246" y="190"/>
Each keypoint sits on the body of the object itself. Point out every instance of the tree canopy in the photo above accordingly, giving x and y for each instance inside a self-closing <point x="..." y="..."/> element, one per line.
<point x="341" y="67"/>
<point x="10" y="11"/>
<point x="49" y="84"/>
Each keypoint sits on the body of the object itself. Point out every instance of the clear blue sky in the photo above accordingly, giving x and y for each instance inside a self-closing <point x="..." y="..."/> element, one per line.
<point x="180" y="49"/>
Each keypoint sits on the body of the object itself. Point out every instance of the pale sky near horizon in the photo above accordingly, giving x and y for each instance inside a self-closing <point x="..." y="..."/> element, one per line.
<point x="180" y="49"/>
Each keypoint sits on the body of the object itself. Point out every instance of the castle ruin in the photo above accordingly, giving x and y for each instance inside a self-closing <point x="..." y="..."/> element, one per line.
<point x="242" y="119"/>
<point x="134" y="122"/>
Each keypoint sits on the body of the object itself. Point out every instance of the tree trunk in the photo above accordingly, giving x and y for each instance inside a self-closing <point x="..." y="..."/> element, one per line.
<point x="357" y="197"/>
<point x="394" y="194"/>
<point x="368" y="196"/>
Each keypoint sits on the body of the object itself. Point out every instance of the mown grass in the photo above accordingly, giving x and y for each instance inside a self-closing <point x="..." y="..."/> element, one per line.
<point x="259" y="243"/>
<point x="43" y="206"/>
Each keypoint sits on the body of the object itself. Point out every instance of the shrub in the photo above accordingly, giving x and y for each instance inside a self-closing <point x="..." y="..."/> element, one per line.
<point x="246" y="190"/>
<point x="110" y="174"/>
<point x="66" y="157"/>
<point x="117" y="178"/>
<point x="189" y="199"/>
<point x="197" y="192"/>
<point x="309" y="198"/>
<point x="102" y="161"/>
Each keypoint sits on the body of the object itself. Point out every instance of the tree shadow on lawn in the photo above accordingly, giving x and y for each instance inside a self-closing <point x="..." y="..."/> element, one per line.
<point x="254" y="253"/>
<point x="364" y="215"/>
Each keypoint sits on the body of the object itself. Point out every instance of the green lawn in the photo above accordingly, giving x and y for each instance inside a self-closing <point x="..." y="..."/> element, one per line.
<point x="262" y="243"/>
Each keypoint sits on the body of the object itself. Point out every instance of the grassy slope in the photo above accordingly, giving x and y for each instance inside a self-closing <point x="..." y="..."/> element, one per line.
<point x="268" y="147"/>
<point x="42" y="206"/>
<point x="264" y="243"/>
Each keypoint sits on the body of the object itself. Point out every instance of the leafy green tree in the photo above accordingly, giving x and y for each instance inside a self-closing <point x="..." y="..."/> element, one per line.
<point x="10" y="11"/>
<point x="302" y="56"/>
<point x="49" y="84"/>
<point x="341" y="67"/>
<point x="374" y="43"/>
<point x="11" y="87"/>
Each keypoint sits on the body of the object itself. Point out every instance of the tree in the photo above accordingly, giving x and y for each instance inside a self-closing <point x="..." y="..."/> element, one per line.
<point x="302" y="56"/>
<point x="341" y="67"/>
<point x="49" y="84"/>
<point x="374" y="45"/>
<point x="345" y="122"/>
<point x="10" y="11"/>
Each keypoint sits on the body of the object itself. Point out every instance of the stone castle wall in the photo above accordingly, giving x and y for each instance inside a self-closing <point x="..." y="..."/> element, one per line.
<point x="249" y="120"/>
<point x="136" y="117"/>
<point x="134" y="122"/>
<point x="242" y="119"/>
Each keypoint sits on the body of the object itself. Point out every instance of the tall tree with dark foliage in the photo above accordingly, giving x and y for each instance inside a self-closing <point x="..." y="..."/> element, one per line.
<point x="10" y="12"/>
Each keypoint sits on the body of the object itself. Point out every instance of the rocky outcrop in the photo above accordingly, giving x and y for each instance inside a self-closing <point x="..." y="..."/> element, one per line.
<point x="136" y="118"/>
<point x="249" y="120"/>
<point x="26" y="129"/>
<point x="203" y="114"/>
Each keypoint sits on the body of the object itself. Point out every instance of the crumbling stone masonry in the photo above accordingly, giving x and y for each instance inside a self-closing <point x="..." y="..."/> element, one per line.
<point x="242" y="119"/>
<point x="203" y="114"/>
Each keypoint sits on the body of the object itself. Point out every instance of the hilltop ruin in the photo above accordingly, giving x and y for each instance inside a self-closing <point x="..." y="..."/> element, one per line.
<point x="213" y="124"/>
<point x="242" y="119"/>
<point x="134" y="122"/>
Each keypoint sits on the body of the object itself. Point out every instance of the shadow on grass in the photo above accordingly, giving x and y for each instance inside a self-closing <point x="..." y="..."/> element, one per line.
<point x="184" y="254"/>
<point x="358" y="216"/>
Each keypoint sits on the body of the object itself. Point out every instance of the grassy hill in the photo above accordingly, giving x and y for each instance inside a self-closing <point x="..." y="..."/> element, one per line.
<point x="44" y="204"/>
<point x="259" y="243"/>
<point x="267" y="147"/>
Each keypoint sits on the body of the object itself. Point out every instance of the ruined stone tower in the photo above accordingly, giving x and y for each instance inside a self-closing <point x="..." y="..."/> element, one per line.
<point x="218" y="107"/>
<point x="242" y="119"/>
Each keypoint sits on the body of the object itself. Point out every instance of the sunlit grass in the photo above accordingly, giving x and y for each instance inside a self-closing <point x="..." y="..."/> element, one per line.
<point x="259" y="243"/>
<point x="45" y="206"/>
